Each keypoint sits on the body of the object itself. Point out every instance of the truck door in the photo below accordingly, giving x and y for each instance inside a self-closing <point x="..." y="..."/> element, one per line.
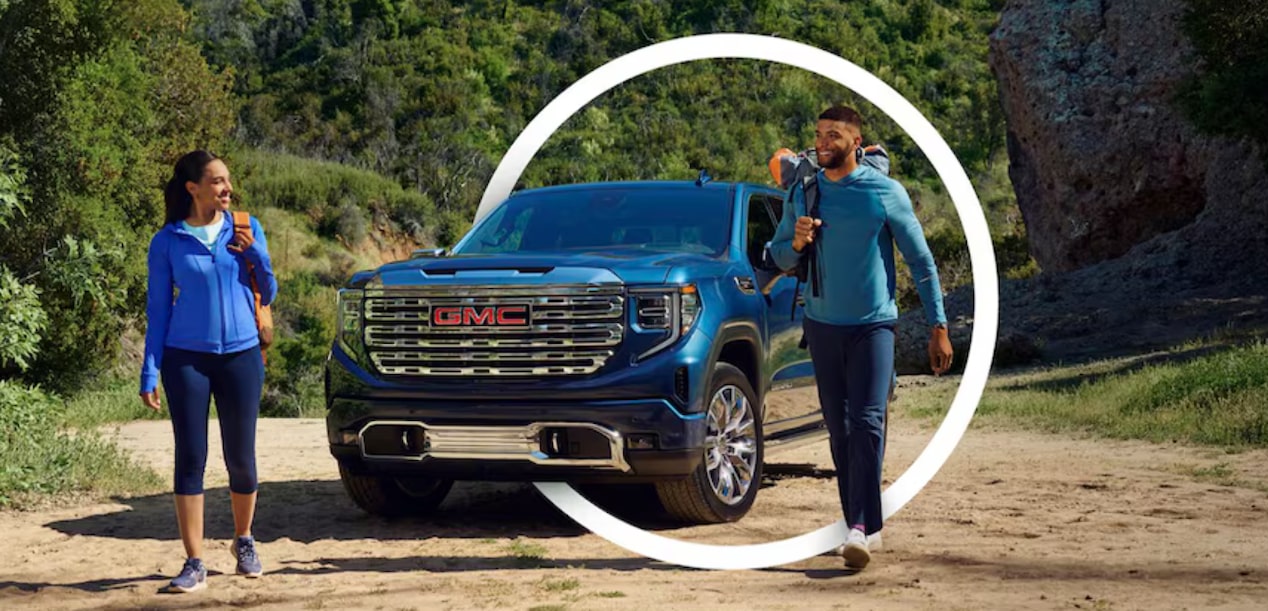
<point x="792" y="404"/>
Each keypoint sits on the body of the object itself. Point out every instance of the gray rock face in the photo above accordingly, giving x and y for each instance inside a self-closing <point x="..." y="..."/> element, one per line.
<point x="1100" y="157"/>
<point x="1149" y="233"/>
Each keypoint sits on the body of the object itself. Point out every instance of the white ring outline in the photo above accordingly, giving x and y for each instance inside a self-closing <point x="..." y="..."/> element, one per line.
<point x="976" y="232"/>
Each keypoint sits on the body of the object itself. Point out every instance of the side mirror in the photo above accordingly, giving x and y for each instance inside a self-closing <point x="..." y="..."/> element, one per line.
<point x="429" y="253"/>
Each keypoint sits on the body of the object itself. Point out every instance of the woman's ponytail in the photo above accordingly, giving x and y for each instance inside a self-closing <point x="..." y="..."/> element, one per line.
<point x="178" y="201"/>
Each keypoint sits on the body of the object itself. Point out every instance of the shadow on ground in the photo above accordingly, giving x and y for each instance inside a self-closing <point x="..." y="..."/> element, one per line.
<point x="1022" y="569"/>
<point x="313" y="510"/>
<point x="330" y="566"/>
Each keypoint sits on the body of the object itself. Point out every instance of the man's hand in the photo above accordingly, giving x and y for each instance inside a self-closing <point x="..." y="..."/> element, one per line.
<point x="151" y="400"/>
<point x="804" y="233"/>
<point x="939" y="350"/>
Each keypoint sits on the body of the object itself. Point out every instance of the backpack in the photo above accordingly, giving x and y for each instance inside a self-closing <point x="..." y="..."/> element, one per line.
<point x="263" y="313"/>
<point x="790" y="170"/>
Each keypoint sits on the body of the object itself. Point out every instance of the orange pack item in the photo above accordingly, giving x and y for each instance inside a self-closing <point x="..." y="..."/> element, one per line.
<point x="263" y="313"/>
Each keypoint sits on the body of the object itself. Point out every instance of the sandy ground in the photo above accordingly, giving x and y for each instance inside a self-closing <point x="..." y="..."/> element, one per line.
<point x="1014" y="520"/>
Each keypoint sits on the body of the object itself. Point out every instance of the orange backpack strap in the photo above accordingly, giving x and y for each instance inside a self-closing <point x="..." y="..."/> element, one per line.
<point x="263" y="314"/>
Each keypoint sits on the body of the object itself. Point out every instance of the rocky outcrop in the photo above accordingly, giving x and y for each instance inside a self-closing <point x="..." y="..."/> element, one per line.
<point x="1149" y="233"/>
<point x="1101" y="157"/>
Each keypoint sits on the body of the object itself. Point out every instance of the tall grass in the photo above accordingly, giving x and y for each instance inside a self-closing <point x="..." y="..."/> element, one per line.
<point x="339" y="201"/>
<point x="1219" y="399"/>
<point x="114" y="401"/>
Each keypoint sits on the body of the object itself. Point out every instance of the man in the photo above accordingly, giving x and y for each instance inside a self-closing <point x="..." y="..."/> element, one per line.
<point x="851" y="308"/>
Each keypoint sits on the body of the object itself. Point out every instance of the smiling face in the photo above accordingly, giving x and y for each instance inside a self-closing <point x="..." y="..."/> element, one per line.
<point x="214" y="190"/>
<point x="835" y="142"/>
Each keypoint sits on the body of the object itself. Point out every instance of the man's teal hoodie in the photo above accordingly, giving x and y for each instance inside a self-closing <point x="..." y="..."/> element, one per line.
<point x="864" y="214"/>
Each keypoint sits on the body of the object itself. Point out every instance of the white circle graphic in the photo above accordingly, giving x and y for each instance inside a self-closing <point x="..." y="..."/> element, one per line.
<point x="981" y="257"/>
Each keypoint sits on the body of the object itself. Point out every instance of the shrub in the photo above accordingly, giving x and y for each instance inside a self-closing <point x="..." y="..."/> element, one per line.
<point x="21" y="321"/>
<point x="40" y="459"/>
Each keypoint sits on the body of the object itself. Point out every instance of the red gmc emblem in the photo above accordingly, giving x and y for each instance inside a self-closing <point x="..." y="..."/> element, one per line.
<point x="480" y="316"/>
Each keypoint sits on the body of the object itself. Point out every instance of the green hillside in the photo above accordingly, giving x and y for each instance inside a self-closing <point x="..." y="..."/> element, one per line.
<point x="358" y="129"/>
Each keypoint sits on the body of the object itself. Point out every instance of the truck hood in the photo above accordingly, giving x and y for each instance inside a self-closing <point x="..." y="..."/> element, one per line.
<point x="627" y="266"/>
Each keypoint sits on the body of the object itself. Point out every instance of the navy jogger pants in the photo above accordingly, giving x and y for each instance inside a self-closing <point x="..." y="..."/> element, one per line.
<point x="853" y="368"/>
<point x="236" y="380"/>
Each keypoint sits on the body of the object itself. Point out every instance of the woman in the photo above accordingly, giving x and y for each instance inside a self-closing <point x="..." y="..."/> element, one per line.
<point x="204" y="343"/>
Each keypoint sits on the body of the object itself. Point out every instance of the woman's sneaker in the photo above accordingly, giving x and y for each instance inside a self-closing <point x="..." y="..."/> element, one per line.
<point x="193" y="577"/>
<point x="855" y="551"/>
<point x="243" y="549"/>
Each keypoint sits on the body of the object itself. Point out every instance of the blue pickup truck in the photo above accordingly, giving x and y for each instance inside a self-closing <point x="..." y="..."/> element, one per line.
<point x="623" y="332"/>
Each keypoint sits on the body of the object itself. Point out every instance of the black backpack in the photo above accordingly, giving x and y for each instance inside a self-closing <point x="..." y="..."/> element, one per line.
<point x="807" y="269"/>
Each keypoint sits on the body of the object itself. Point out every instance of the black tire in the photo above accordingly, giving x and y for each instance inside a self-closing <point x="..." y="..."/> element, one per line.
<point x="692" y="499"/>
<point x="390" y="497"/>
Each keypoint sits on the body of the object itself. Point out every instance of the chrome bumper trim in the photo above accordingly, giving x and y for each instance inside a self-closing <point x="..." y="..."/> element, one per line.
<point x="496" y="443"/>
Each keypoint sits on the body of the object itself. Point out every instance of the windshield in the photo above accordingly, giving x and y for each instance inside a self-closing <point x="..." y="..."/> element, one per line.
<point x="673" y="219"/>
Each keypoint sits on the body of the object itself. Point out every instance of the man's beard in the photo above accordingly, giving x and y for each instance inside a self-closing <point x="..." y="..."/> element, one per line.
<point x="833" y="160"/>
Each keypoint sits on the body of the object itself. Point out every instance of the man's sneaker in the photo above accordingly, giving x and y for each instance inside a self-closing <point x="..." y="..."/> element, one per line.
<point x="874" y="544"/>
<point x="855" y="552"/>
<point x="243" y="549"/>
<point x="193" y="578"/>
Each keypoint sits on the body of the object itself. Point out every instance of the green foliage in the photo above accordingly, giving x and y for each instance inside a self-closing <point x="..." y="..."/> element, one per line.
<point x="108" y="401"/>
<point x="83" y="289"/>
<point x="41" y="459"/>
<point x="1229" y="94"/>
<point x="40" y="42"/>
<point x="338" y="199"/>
<point x="432" y="93"/>
<point x="304" y="339"/>
<point x="110" y="95"/>
<point x="22" y="320"/>
<point x="13" y="191"/>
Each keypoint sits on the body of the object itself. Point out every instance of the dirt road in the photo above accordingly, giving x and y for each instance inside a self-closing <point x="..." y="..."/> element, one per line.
<point x="1014" y="520"/>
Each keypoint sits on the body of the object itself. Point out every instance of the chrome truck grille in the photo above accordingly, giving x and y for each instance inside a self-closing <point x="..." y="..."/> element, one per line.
<point x="493" y="331"/>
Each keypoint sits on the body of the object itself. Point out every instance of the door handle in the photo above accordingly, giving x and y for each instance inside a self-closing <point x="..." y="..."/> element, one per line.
<point x="746" y="285"/>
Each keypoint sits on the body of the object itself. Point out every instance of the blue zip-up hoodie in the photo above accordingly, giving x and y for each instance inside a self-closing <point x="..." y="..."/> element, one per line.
<point x="214" y="310"/>
<point x="864" y="215"/>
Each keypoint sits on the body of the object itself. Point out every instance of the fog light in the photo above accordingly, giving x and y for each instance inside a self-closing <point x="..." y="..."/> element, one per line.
<point x="641" y="442"/>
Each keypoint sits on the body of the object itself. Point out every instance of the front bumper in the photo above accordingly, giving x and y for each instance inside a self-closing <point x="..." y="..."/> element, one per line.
<point x="638" y="440"/>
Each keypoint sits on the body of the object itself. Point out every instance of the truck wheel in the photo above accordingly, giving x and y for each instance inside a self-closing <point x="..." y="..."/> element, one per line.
<point x="389" y="497"/>
<point x="724" y="485"/>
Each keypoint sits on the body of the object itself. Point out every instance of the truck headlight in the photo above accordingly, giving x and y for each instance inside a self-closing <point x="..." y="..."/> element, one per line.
<point x="349" y="323"/>
<point x="674" y="309"/>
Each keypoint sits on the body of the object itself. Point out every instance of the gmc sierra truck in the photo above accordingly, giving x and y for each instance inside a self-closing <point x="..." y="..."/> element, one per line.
<point x="625" y="332"/>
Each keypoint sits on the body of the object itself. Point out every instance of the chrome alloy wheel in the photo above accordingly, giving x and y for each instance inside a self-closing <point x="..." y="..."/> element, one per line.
<point x="730" y="445"/>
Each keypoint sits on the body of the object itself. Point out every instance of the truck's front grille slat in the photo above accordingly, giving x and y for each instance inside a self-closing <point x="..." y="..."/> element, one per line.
<point x="493" y="332"/>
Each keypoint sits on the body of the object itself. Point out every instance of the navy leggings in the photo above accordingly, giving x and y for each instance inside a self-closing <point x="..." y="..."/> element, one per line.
<point x="236" y="380"/>
<point x="853" y="368"/>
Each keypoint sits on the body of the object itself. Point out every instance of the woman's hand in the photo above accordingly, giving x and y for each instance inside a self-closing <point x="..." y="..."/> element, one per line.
<point x="151" y="400"/>
<point x="242" y="239"/>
